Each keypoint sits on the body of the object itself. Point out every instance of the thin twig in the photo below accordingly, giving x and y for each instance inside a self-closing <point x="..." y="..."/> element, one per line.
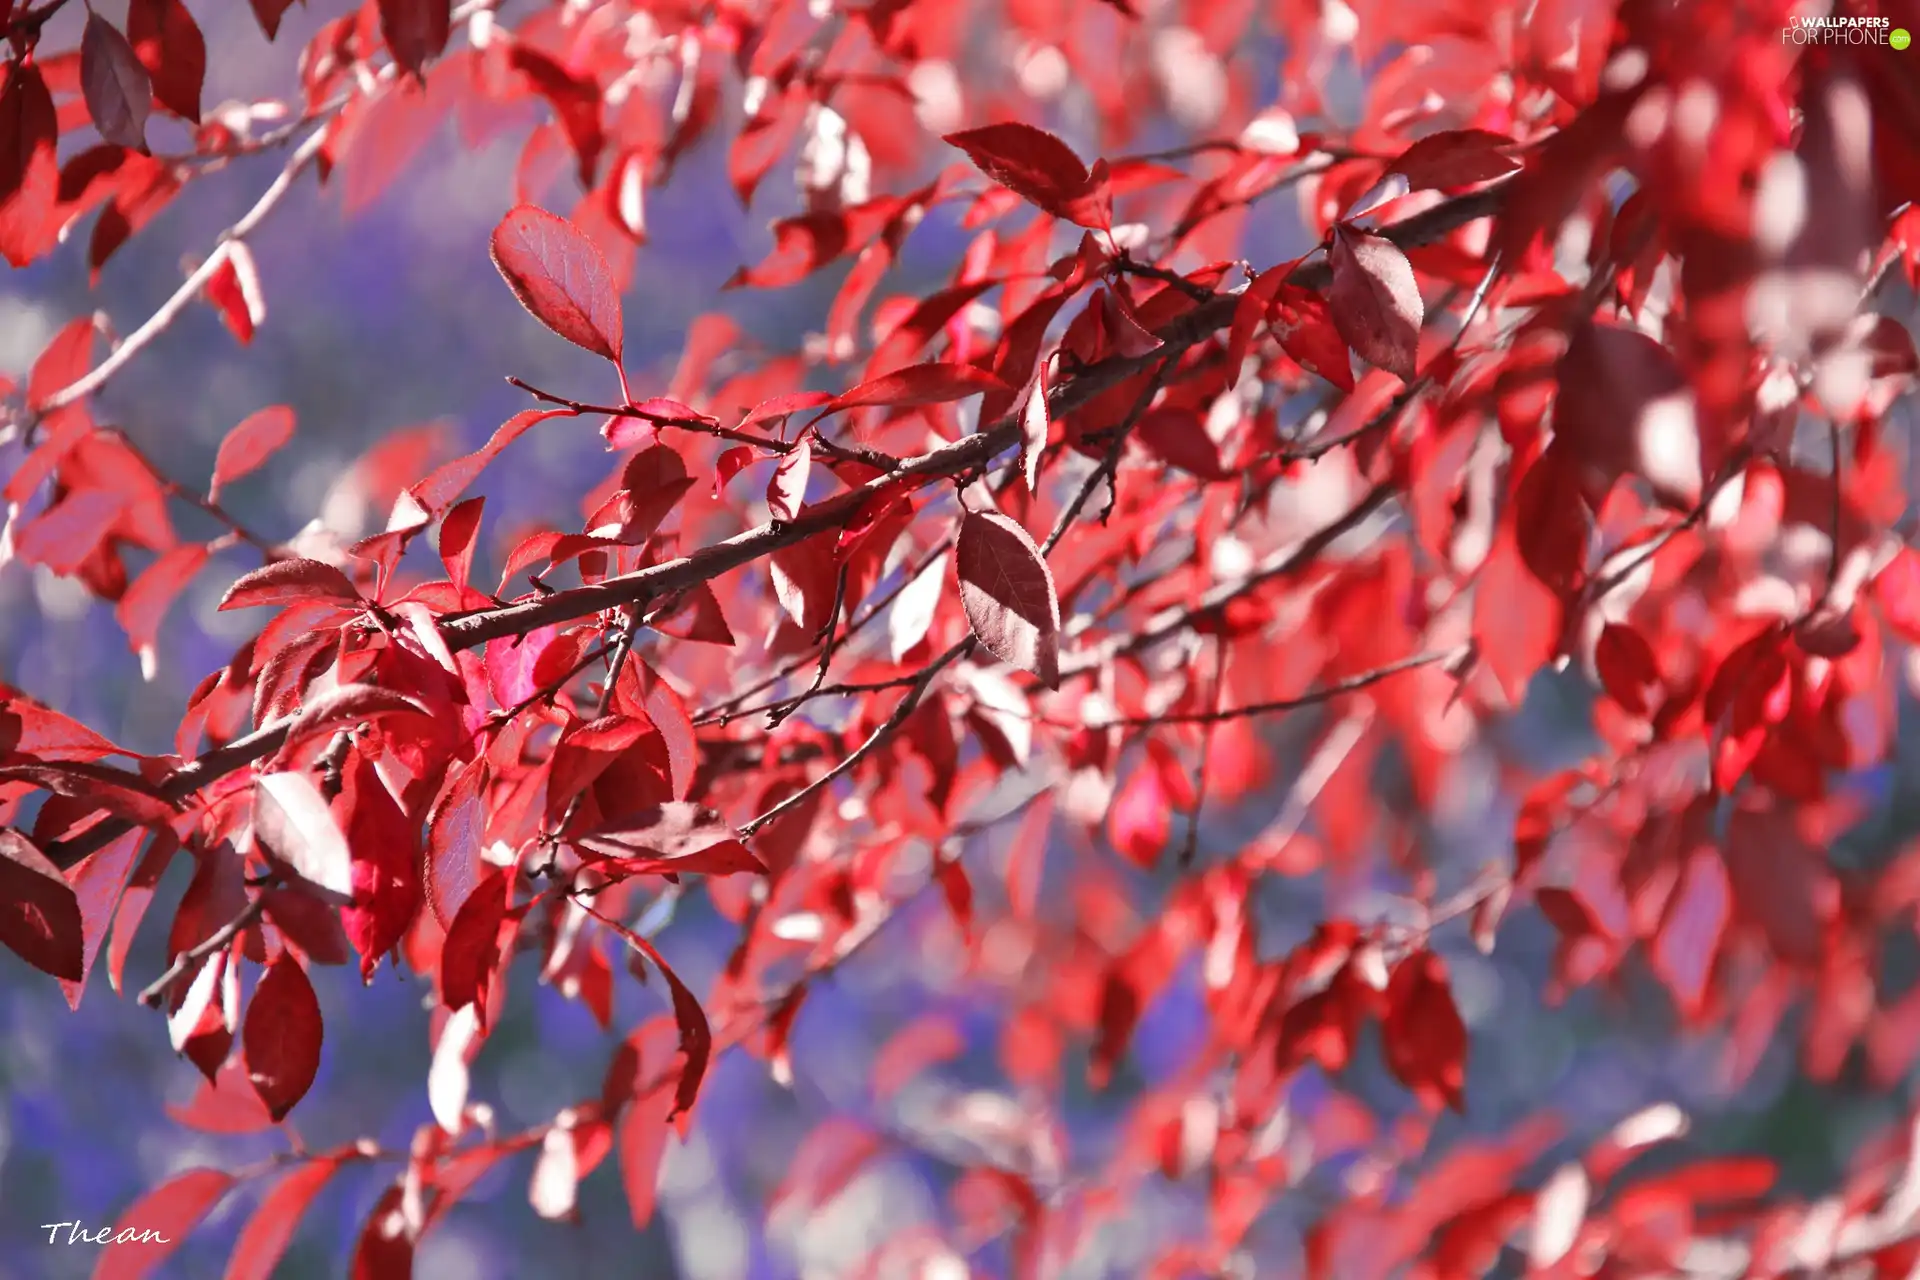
<point x="187" y="961"/>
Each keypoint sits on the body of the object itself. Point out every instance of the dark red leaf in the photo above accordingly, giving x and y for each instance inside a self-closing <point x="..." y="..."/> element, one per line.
<point x="1041" y="170"/>
<point x="268" y="14"/>
<point x="696" y="1036"/>
<point x="472" y="947"/>
<point x="1628" y="670"/>
<point x="119" y="94"/>
<point x="281" y="1036"/>
<point x="1425" y="1041"/>
<point x="1375" y="301"/>
<point x="29" y="168"/>
<point x="416" y="31"/>
<point x="39" y="914"/>
<point x="1008" y="594"/>
<point x="385" y="1247"/>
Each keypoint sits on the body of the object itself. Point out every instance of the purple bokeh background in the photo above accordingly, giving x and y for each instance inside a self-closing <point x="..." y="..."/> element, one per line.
<point x="395" y="317"/>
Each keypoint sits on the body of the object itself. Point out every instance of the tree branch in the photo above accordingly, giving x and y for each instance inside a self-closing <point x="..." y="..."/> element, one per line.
<point x="470" y="630"/>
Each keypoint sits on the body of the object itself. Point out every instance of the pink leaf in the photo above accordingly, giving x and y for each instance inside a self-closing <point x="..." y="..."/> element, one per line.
<point x="560" y="277"/>
<point x="258" y="437"/>
<point x="268" y="1232"/>
<point x="1456" y="158"/>
<point x="159" y="1221"/>
<point x="151" y="594"/>
<point x="933" y="383"/>
<point x="292" y="582"/>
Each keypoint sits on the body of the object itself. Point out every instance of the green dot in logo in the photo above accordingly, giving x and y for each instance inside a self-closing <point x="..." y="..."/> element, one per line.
<point x="1899" y="39"/>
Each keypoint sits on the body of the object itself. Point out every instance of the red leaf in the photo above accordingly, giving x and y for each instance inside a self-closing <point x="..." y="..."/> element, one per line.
<point x="39" y="914"/>
<point x="347" y="705"/>
<point x="1304" y="325"/>
<point x="1040" y="169"/>
<point x="1626" y="665"/>
<point x="293" y="827"/>
<point x="471" y="951"/>
<point x="1516" y="620"/>
<point x="675" y="830"/>
<point x="783" y="407"/>
<point x="1249" y="313"/>
<point x="1140" y="819"/>
<point x="1455" y="158"/>
<point x="150" y="595"/>
<point x="158" y="1223"/>
<point x="1779" y="882"/>
<point x="696" y="1036"/>
<point x="29" y="168"/>
<point x="386" y="865"/>
<point x="292" y="582"/>
<point x="281" y="1036"/>
<point x="234" y="291"/>
<point x="118" y="92"/>
<point x="97" y="883"/>
<point x="1425" y="1041"/>
<point x="385" y="1248"/>
<point x="255" y="439"/>
<point x="561" y="278"/>
<point x="459" y="534"/>
<point x="929" y="1039"/>
<point x="575" y="101"/>
<point x="787" y="491"/>
<point x="1551" y="523"/>
<point x="265" y="1238"/>
<point x="446" y="482"/>
<point x="268" y="13"/>
<point x="1008" y="594"/>
<point x="416" y="31"/>
<point x="1375" y="301"/>
<point x="173" y="51"/>
<point x="643" y="1142"/>
<point x="225" y="1104"/>
<point x="1625" y="406"/>
<point x="454" y="830"/>
<point x="933" y="383"/>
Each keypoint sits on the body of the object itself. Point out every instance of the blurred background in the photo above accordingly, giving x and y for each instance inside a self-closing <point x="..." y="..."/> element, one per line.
<point x="390" y="317"/>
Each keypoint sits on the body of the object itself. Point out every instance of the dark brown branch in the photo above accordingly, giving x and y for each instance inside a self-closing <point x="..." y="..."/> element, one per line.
<point x="187" y="961"/>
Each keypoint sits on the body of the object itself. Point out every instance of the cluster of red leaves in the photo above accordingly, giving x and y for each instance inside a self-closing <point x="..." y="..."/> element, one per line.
<point x="1056" y="529"/>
